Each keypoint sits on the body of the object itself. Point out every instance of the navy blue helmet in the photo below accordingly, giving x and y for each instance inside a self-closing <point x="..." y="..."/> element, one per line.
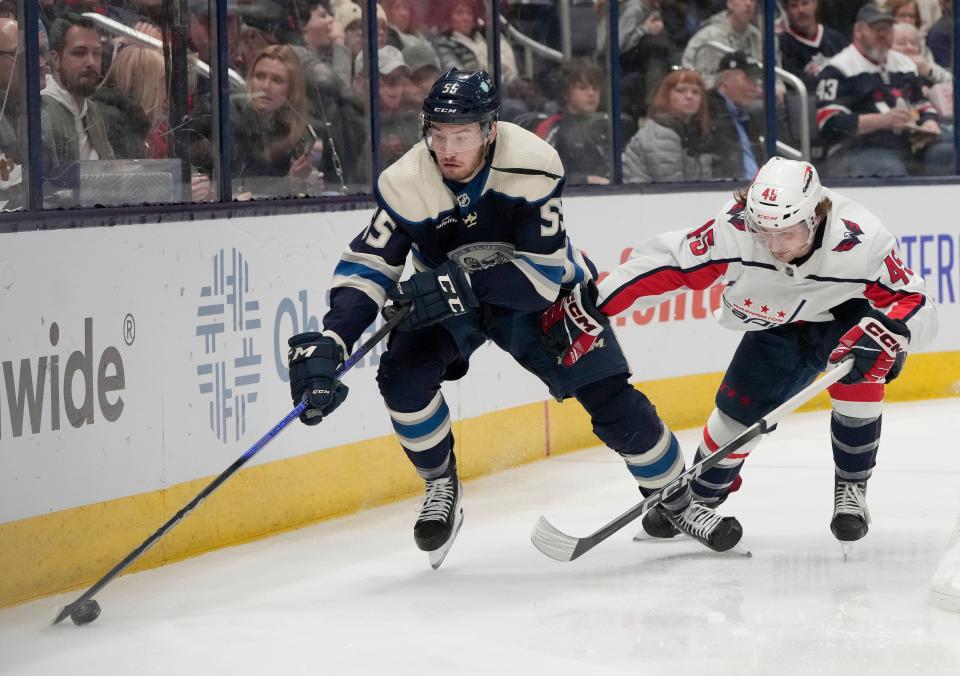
<point x="461" y="97"/>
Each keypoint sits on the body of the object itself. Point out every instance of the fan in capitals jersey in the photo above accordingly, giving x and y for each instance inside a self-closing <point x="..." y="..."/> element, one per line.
<point x="476" y="208"/>
<point x="812" y="278"/>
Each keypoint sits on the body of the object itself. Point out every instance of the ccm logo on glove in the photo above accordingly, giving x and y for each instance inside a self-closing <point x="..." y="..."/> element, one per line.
<point x="449" y="288"/>
<point x="885" y="338"/>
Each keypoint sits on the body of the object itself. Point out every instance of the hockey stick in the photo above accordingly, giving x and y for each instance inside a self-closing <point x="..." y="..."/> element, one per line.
<point x="558" y="545"/>
<point x="84" y="610"/>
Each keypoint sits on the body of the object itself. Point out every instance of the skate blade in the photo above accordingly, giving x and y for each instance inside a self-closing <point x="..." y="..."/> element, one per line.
<point x="846" y="549"/>
<point x="738" y="549"/>
<point x="438" y="555"/>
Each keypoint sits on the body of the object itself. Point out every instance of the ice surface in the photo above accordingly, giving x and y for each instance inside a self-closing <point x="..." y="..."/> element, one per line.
<point x="355" y="596"/>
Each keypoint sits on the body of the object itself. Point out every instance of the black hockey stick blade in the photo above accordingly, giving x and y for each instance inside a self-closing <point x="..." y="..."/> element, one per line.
<point x="562" y="547"/>
<point x="351" y="361"/>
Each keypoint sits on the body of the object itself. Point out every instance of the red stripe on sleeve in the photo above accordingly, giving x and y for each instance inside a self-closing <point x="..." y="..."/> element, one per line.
<point x="826" y="114"/>
<point x="903" y="304"/>
<point x="663" y="281"/>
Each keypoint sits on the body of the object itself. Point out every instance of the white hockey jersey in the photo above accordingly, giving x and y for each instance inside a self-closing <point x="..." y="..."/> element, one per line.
<point x="853" y="256"/>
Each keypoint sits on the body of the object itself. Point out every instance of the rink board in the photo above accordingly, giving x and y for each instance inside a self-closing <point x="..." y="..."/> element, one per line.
<point x="138" y="362"/>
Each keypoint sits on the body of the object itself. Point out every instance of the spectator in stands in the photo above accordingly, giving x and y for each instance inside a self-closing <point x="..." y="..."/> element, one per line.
<point x="348" y="18"/>
<point x="424" y="70"/>
<point x="871" y="110"/>
<point x="646" y="53"/>
<point x="940" y="37"/>
<point x="399" y="126"/>
<point x="76" y="122"/>
<point x="462" y="43"/>
<point x="324" y="43"/>
<point x="199" y="31"/>
<point x="683" y="18"/>
<point x="906" y="40"/>
<point x="841" y="14"/>
<point x="805" y="45"/>
<point x="733" y="28"/>
<point x="405" y="25"/>
<point x="736" y="124"/>
<point x="264" y="22"/>
<point x="577" y="132"/>
<point x="272" y="137"/>
<point x="671" y="145"/>
<point x="13" y="147"/>
<point x="134" y="85"/>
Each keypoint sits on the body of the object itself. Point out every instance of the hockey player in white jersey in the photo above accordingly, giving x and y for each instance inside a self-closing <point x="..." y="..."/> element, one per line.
<point x="813" y="278"/>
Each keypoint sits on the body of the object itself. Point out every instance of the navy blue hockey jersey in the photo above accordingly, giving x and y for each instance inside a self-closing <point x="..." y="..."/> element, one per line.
<point x="851" y="85"/>
<point x="504" y="228"/>
<point x="796" y="51"/>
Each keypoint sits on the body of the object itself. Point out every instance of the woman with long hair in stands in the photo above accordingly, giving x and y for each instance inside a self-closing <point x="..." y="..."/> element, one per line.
<point x="134" y="93"/>
<point x="669" y="146"/>
<point x="272" y="135"/>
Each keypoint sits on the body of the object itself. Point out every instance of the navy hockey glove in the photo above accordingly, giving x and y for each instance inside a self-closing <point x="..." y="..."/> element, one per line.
<point x="573" y="324"/>
<point x="313" y="360"/>
<point x="434" y="295"/>
<point x="878" y="345"/>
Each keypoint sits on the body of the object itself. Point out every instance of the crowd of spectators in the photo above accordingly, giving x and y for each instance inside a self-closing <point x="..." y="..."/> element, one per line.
<point x="878" y="87"/>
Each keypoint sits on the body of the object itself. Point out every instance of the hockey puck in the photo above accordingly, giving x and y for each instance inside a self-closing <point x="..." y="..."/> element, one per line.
<point x="85" y="612"/>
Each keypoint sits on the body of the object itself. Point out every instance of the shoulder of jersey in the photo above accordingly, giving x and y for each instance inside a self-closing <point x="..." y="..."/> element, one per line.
<point x="730" y="219"/>
<point x="524" y="165"/>
<point x="412" y="188"/>
<point x="849" y="61"/>
<point x="853" y="232"/>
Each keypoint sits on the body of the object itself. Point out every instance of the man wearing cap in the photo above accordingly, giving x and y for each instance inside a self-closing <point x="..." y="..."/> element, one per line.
<point x="871" y="110"/>
<point x="736" y="110"/>
<point x="424" y="70"/>
<point x="733" y="28"/>
<point x="399" y="128"/>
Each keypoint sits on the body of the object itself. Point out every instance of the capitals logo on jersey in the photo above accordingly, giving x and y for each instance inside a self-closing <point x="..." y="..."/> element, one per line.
<point x="851" y="237"/>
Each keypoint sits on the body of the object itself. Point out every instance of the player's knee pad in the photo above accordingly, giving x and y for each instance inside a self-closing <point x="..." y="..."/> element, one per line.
<point x="622" y="417"/>
<point x="408" y="384"/>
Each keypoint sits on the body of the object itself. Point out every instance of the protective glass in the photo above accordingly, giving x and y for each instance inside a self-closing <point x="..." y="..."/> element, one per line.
<point x="456" y="140"/>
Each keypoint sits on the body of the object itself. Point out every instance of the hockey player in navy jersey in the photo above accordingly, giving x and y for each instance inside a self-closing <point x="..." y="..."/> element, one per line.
<point x="812" y="278"/>
<point x="476" y="207"/>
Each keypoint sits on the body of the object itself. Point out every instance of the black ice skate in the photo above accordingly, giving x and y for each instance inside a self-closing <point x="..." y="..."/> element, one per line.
<point x="851" y="518"/>
<point x="657" y="524"/>
<point x="440" y="516"/>
<point x="719" y="533"/>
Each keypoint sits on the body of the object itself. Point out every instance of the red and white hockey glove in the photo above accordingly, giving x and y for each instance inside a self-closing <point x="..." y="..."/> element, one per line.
<point x="573" y="324"/>
<point x="877" y="344"/>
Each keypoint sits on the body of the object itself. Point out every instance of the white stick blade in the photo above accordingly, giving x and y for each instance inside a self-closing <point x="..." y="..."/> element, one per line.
<point x="552" y="542"/>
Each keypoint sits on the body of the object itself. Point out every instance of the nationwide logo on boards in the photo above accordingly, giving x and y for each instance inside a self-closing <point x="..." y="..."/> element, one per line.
<point x="62" y="388"/>
<point x="227" y="319"/>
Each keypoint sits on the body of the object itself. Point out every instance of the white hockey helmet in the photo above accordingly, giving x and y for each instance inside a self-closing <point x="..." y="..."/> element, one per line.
<point x="784" y="193"/>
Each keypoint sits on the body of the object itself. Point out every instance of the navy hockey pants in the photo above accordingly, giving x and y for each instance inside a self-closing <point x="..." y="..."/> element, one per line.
<point x="417" y="362"/>
<point x="769" y="367"/>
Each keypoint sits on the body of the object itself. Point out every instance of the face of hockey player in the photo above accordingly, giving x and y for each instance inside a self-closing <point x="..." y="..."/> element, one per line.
<point x="874" y="40"/>
<point x="460" y="148"/>
<point x="785" y="244"/>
